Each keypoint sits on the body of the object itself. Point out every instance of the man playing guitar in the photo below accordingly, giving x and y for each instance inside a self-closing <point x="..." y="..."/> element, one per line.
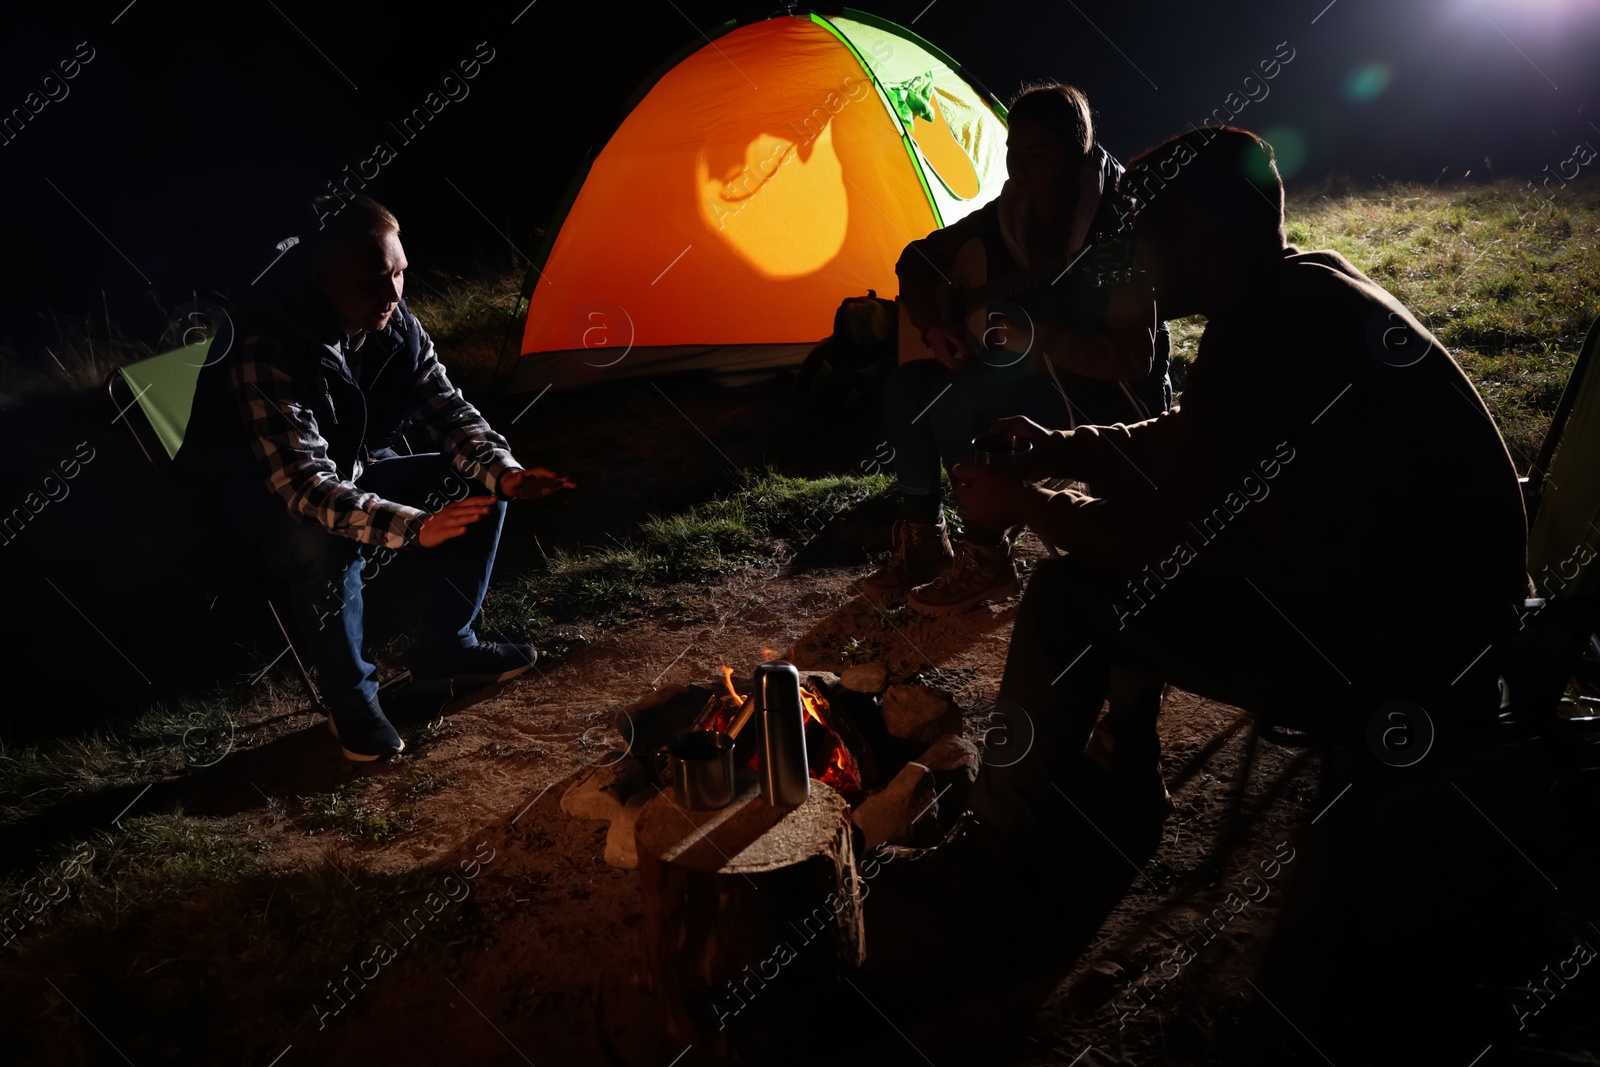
<point x="1029" y="305"/>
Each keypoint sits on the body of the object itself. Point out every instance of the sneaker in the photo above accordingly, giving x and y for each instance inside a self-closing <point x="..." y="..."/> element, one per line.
<point x="484" y="663"/>
<point x="921" y="553"/>
<point x="366" y="734"/>
<point x="978" y="573"/>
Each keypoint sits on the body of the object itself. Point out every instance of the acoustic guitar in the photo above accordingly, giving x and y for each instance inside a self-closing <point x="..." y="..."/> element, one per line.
<point x="991" y="314"/>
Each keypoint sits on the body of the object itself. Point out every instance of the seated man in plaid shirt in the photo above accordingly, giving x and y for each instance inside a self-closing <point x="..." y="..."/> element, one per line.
<point x="293" y="426"/>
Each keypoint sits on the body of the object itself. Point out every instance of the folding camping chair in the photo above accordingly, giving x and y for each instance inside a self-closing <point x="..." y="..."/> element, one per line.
<point x="152" y="398"/>
<point x="1558" y="636"/>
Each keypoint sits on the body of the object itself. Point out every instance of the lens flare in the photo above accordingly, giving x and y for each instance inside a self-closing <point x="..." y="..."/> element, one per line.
<point x="1366" y="82"/>
<point x="1288" y="147"/>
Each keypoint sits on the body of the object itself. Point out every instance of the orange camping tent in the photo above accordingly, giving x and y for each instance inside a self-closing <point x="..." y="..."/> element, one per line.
<point x="767" y="174"/>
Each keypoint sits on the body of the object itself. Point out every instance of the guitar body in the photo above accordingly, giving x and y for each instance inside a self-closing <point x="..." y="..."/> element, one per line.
<point x="981" y="310"/>
<point x="968" y="272"/>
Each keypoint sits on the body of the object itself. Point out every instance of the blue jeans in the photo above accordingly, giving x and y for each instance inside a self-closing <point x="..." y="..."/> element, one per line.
<point x="324" y="573"/>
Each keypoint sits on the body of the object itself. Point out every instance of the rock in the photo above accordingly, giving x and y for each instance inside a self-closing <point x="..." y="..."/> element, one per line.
<point x="622" y="850"/>
<point x="917" y="713"/>
<point x="866" y="678"/>
<point x="903" y="813"/>
<point x="602" y="792"/>
<point x="953" y="762"/>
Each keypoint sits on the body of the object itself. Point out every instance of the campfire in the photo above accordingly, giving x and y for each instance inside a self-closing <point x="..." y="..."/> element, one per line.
<point x="731" y="891"/>
<point x="828" y="754"/>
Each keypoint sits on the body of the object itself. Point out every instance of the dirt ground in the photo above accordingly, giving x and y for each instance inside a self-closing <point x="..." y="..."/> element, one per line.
<point x="1295" y="907"/>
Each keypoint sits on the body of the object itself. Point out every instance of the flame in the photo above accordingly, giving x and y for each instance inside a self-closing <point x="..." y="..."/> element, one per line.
<point x="842" y="772"/>
<point x="768" y="655"/>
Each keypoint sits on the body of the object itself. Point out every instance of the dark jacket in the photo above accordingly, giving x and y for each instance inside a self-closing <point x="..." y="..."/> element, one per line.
<point x="290" y="415"/>
<point x="1327" y="447"/>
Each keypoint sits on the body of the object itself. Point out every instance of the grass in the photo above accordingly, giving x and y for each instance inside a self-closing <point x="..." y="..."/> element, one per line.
<point x="145" y="860"/>
<point x="80" y="360"/>
<point x="768" y="521"/>
<point x="1507" y="281"/>
<point x="468" y="319"/>
<point x="355" y="811"/>
<point x="165" y="740"/>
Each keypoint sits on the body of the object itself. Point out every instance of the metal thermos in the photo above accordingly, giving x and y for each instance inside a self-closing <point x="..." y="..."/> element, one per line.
<point x="785" y="772"/>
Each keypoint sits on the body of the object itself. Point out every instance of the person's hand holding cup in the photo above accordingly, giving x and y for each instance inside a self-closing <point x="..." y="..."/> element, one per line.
<point x="1039" y="460"/>
<point x="991" y="495"/>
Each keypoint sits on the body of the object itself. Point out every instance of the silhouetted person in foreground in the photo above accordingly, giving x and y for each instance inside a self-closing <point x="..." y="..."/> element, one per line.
<point x="1328" y="520"/>
<point x="290" y="447"/>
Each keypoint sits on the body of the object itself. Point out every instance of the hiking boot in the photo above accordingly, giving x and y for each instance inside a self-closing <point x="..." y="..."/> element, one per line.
<point x="364" y="732"/>
<point x="978" y="573"/>
<point x="484" y="663"/>
<point x="921" y="553"/>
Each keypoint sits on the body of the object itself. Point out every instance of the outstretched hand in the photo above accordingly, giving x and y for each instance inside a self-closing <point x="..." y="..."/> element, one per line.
<point x="535" y="483"/>
<point x="1042" y="461"/>
<point x="452" y="520"/>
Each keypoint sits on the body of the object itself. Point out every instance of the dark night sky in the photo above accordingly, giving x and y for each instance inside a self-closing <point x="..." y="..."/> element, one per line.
<point x="192" y="137"/>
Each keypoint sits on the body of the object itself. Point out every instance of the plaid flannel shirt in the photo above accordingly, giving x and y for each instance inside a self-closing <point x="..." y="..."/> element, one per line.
<point x="277" y="406"/>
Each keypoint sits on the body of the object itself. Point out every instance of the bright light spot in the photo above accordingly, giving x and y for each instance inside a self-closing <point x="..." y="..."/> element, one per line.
<point x="1366" y="82"/>
<point x="1289" y="148"/>
<point x="1541" y="17"/>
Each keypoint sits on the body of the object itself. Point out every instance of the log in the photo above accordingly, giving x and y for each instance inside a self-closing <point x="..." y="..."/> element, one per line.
<point x="752" y="914"/>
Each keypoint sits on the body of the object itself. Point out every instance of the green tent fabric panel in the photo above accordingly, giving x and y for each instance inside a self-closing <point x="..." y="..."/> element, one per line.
<point x="914" y="78"/>
<point x="887" y="97"/>
<point x="164" y="387"/>
<point x="1567" y="526"/>
<point x="1564" y="543"/>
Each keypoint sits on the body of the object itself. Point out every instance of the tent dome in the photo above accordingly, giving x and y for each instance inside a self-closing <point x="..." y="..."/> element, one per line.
<point x="766" y="175"/>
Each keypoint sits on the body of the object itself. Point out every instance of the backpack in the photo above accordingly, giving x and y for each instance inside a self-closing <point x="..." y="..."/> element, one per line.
<point x="841" y="374"/>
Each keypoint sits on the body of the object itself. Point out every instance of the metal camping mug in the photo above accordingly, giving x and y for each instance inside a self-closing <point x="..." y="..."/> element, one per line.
<point x="700" y="764"/>
<point x="1001" y="450"/>
<point x="785" y="771"/>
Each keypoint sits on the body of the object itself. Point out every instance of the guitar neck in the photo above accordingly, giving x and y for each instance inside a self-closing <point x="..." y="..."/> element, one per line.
<point x="1023" y="281"/>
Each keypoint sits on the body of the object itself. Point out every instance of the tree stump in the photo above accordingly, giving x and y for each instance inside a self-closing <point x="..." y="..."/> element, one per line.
<point x="751" y="915"/>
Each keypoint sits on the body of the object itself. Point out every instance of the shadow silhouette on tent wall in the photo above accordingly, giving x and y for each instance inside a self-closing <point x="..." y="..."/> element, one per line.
<point x="757" y="183"/>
